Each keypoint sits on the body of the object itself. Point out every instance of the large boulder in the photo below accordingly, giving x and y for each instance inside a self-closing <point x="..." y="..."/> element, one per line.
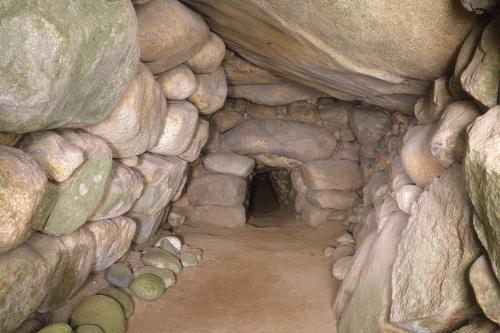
<point x="482" y="170"/>
<point x="240" y="72"/>
<point x="384" y="53"/>
<point x="217" y="189"/>
<point x="64" y="67"/>
<point x="341" y="200"/>
<point x="429" y="288"/>
<point x="230" y="163"/>
<point x="169" y="34"/>
<point x="76" y="199"/>
<point x="133" y="127"/>
<point x="369" y="124"/>
<point x="303" y="142"/>
<point x="332" y="175"/>
<point x="162" y="178"/>
<point x="480" y="78"/>
<point x="22" y="186"/>
<point x="221" y="216"/>
<point x="486" y="288"/>
<point x="123" y="189"/>
<point x="178" y="129"/>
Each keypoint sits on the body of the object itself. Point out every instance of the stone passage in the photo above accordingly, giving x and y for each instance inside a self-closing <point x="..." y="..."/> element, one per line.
<point x="128" y="125"/>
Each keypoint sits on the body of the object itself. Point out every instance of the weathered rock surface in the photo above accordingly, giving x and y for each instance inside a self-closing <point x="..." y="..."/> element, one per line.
<point x="406" y="196"/>
<point x="64" y="68"/>
<point x="417" y="158"/>
<point x="486" y="288"/>
<point x="298" y="181"/>
<point x="160" y="258"/>
<point x="178" y="83"/>
<point x="368" y="284"/>
<point x="314" y="216"/>
<point x="429" y="291"/>
<point x="480" y="78"/>
<point x="133" y="127"/>
<point x="363" y="57"/>
<point x="10" y="139"/>
<point x="169" y="34"/>
<point x="119" y="275"/>
<point x="178" y="129"/>
<point x="147" y="225"/>
<point x="303" y="112"/>
<point x="211" y="92"/>
<point x="448" y="141"/>
<point x="217" y="189"/>
<point x="199" y="140"/>
<point x="222" y="216"/>
<point x="165" y="274"/>
<point x="112" y="238"/>
<point x="22" y="186"/>
<point x="333" y="199"/>
<point x="58" y="158"/>
<point x="82" y="192"/>
<point x="336" y="115"/>
<point x="229" y="163"/>
<point x="162" y="177"/>
<point x="478" y="6"/>
<point x="369" y="124"/>
<point x="209" y="58"/>
<point x="123" y="189"/>
<point x="303" y="142"/>
<point x="341" y="267"/>
<point x="479" y="327"/>
<point x="241" y="72"/>
<point x="226" y="119"/>
<point x="332" y="175"/>
<point x="482" y="170"/>
<point x="440" y="98"/>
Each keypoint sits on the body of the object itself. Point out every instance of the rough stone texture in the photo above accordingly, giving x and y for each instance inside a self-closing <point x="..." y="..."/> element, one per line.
<point x="133" y="127"/>
<point x="260" y="111"/>
<point x="124" y="187"/>
<point x="198" y="142"/>
<point x="76" y="199"/>
<point x="368" y="291"/>
<point x="276" y="161"/>
<point x="169" y="34"/>
<point x="482" y="169"/>
<point x="479" y="327"/>
<point x="332" y="175"/>
<point x="58" y="158"/>
<point x="480" y="78"/>
<point x="364" y="57"/>
<point x="211" y="92"/>
<point x="430" y="292"/>
<point x="399" y="177"/>
<point x="406" y="195"/>
<point x="336" y="115"/>
<point x="341" y="267"/>
<point x="222" y="216"/>
<point x="10" y="139"/>
<point x="440" y="98"/>
<point x="178" y="129"/>
<point x="112" y="238"/>
<point x="147" y="225"/>
<point x="416" y="155"/>
<point x="25" y="277"/>
<point x="230" y="163"/>
<point x="448" y="141"/>
<point x="209" y="58"/>
<point x="75" y="252"/>
<point x="314" y="216"/>
<point x="375" y="188"/>
<point x="22" y="186"/>
<point x="333" y="199"/>
<point x="64" y="67"/>
<point x="178" y="83"/>
<point x="303" y="142"/>
<point x="226" y="119"/>
<point x="303" y="112"/>
<point x="162" y="178"/>
<point x="241" y="72"/>
<point x="119" y="275"/>
<point x="274" y="94"/>
<point x="369" y="125"/>
<point x="486" y="288"/>
<point x="216" y="189"/>
<point x="298" y="181"/>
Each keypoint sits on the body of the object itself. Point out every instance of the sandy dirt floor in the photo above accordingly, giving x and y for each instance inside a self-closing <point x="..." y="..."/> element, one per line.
<point x="267" y="279"/>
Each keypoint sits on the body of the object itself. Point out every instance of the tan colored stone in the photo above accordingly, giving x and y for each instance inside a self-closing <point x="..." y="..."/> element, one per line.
<point x="177" y="83"/>
<point x="209" y="58"/>
<point x="211" y="92"/>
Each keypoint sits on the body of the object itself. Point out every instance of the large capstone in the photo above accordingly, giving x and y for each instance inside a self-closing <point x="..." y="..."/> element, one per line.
<point x="64" y="66"/>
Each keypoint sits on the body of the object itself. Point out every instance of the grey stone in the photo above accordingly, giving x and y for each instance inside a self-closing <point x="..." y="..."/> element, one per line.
<point x="222" y="216"/>
<point x="160" y="258"/>
<point x="229" y="163"/>
<point x="67" y="68"/>
<point x="169" y="34"/>
<point x="303" y="142"/>
<point x="486" y="288"/>
<point x="369" y="124"/>
<point x="341" y="267"/>
<point x="178" y="83"/>
<point x="342" y="251"/>
<point x="332" y="175"/>
<point x="22" y="187"/>
<point x="147" y="225"/>
<point x="336" y="115"/>
<point x="429" y="291"/>
<point x="198" y="142"/>
<point x="188" y="259"/>
<point x="209" y="58"/>
<point x="216" y="189"/>
<point x="406" y="196"/>
<point x="119" y="275"/>
<point x="303" y="112"/>
<point x="167" y="275"/>
<point x="211" y="92"/>
<point x="482" y="170"/>
<point x="226" y="119"/>
<point x="333" y="199"/>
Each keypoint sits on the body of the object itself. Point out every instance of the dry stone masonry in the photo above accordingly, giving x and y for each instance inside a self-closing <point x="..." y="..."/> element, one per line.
<point x="121" y="121"/>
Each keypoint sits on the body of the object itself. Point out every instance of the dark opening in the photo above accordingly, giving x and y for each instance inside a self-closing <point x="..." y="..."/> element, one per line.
<point x="263" y="199"/>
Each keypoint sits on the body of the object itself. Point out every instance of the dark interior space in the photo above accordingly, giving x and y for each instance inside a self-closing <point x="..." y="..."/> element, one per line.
<point x="263" y="199"/>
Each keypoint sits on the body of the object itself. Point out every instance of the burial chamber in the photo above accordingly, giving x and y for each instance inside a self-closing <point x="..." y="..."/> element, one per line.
<point x="125" y="125"/>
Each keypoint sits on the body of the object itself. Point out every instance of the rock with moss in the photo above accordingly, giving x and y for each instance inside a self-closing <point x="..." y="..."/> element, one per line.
<point x="147" y="225"/>
<point x="482" y="170"/>
<point x="168" y="277"/>
<point x="167" y="245"/>
<point x="64" y="67"/>
<point x="160" y="258"/>
<point x="22" y="186"/>
<point x="89" y="329"/>
<point x="121" y="297"/>
<point x="112" y="238"/>
<point x="57" y="328"/>
<point x="119" y="275"/>
<point x="122" y="190"/>
<point x="102" y="311"/>
<point x="148" y="287"/>
<point x="77" y="197"/>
